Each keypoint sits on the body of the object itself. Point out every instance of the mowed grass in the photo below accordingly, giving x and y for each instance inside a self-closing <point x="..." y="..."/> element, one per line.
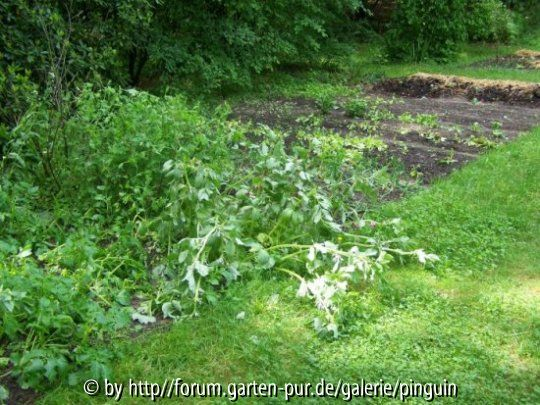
<point x="474" y="320"/>
<point x="366" y="64"/>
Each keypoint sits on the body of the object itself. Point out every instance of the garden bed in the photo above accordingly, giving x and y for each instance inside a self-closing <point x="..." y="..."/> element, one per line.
<point x="429" y="136"/>
<point x="432" y="85"/>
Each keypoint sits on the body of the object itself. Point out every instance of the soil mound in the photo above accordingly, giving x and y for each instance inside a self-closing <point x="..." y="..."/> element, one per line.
<point x="431" y="85"/>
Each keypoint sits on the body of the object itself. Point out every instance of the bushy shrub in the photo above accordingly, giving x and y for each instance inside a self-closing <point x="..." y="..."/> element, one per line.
<point x="91" y="38"/>
<point x="490" y="20"/>
<point x="213" y="43"/>
<point x="426" y="29"/>
<point x="433" y="29"/>
<point x="225" y="42"/>
<point x="17" y="91"/>
<point x="50" y="324"/>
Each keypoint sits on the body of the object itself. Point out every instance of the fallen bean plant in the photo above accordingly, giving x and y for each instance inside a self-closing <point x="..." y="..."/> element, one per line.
<point x="139" y="208"/>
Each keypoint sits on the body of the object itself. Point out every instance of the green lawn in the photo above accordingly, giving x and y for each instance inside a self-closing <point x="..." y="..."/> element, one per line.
<point x="474" y="320"/>
<point x="366" y="63"/>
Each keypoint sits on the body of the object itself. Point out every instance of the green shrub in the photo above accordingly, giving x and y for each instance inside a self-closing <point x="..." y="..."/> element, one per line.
<point x="490" y="20"/>
<point x="426" y="29"/>
<point x="208" y="44"/>
<point x="325" y="102"/>
<point x="526" y="14"/>
<point x="51" y="324"/>
<point x="94" y="38"/>
<point x="226" y="42"/>
<point x="17" y="92"/>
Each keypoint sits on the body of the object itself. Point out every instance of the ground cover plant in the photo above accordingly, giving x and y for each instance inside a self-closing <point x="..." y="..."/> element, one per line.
<point x="147" y="218"/>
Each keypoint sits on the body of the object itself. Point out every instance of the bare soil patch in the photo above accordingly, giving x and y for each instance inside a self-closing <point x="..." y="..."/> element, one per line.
<point x="457" y="129"/>
<point x="431" y="85"/>
<point x="17" y="395"/>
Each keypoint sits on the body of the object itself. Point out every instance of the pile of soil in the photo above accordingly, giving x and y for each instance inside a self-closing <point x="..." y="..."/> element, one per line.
<point x="431" y="85"/>
<point x="527" y="53"/>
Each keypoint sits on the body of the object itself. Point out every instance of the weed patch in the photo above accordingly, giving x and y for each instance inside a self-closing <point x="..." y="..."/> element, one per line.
<point x="155" y="210"/>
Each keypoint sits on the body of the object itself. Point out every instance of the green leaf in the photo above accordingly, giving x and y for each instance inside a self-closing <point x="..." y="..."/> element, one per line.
<point x="264" y="259"/>
<point x="4" y="393"/>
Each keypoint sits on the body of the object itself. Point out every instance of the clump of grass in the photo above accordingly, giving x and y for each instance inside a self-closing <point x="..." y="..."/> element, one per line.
<point x="325" y="102"/>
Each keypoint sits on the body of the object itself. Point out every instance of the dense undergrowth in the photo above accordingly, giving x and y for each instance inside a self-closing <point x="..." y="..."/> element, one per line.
<point x="139" y="208"/>
<point x="411" y="38"/>
<point x="473" y="321"/>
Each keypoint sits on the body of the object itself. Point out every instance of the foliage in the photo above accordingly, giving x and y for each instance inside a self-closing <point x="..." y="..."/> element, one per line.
<point x="220" y="42"/>
<point x="325" y="102"/>
<point x="520" y="5"/>
<point x="51" y="323"/>
<point x="490" y="20"/>
<point x="426" y="29"/>
<point x="98" y="36"/>
<point x="411" y="37"/>
<point x="121" y="208"/>
<point x="17" y="90"/>
<point x="421" y="325"/>
<point x="156" y="209"/>
<point x="357" y="107"/>
<point x="209" y="43"/>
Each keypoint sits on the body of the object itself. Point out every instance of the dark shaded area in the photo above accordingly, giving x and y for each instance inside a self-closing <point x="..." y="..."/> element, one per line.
<point x="17" y="395"/>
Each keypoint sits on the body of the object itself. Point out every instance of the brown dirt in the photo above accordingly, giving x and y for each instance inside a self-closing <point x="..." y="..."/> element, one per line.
<point x="465" y="128"/>
<point x="431" y="85"/>
<point x="18" y="396"/>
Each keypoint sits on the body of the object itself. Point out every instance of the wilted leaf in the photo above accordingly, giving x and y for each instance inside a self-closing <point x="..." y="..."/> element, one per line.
<point x="143" y="319"/>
